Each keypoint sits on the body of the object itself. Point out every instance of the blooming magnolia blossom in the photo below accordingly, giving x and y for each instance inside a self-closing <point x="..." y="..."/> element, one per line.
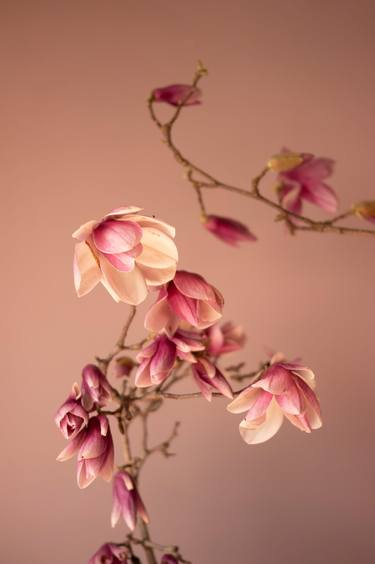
<point x="157" y="358"/>
<point x="176" y="94"/>
<point x="126" y="501"/>
<point x="110" y="553"/>
<point x="168" y="559"/>
<point x="71" y="417"/>
<point x="95" y="387"/>
<point x="209" y="379"/>
<point x="306" y="182"/>
<point x="127" y="252"/>
<point x="225" y="338"/>
<point x="284" y="389"/>
<point x="228" y="230"/>
<point x="94" y="446"/>
<point x="189" y="298"/>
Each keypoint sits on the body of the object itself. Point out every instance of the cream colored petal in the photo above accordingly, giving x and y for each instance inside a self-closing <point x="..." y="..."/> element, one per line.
<point x="254" y="434"/>
<point x="84" y="232"/>
<point x="86" y="270"/>
<point x="243" y="401"/>
<point x="307" y="376"/>
<point x="129" y="287"/>
<point x="123" y="211"/>
<point x="145" y="221"/>
<point x="154" y="238"/>
<point x="154" y="258"/>
<point x="157" y="276"/>
<point x="207" y="314"/>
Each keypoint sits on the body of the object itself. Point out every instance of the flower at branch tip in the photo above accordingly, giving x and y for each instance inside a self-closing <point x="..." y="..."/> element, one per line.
<point x="228" y="230"/>
<point x="189" y="298"/>
<point x="94" y="446"/>
<point x="123" y="366"/>
<point x="284" y="389"/>
<point x="365" y="210"/>
<point x="306" y="182"/>
<point x="95" y="387"/>
<point x="126" y="501"/>
<point x="285" y="161"/>
<point x="225" y="338"/>
<point x="71" y="417"/>
<point x="176" y="94"/>
<point x="168" y="559"/>
<point x="209" y="379"/>
<point x="110" y="553"/>
<point x="157" y="358"/>
<point x="127" y="252"/>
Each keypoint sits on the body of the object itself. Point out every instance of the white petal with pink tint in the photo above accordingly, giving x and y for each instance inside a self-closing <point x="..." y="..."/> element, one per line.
<point x="113" y="236"/>
<point x="84" y="232"/>
<point x="86" y="270"/>
<point x="129" y="287"/>
<point x="254" y="433"/>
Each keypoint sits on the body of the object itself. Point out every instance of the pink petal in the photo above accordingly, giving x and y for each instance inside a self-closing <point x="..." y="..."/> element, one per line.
<point x="157" y="276"/>
<point x="72" y="447"/>
<point x="276" y="380"/>
<point x="84" y="232"/>
<point x="121" y="261"/>
<point x="161" y="316"/>
<point x="193" y="285"/>
<point x="184" y="307"/>
<point x="113" y="237"/>
<point x="321" y="195"/>
<point x="292" y="401"/>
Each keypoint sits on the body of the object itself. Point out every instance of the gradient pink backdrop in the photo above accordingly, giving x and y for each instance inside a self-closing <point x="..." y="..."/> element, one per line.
<point x="76" y="141"/>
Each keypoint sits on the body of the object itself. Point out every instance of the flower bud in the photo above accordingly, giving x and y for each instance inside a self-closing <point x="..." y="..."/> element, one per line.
<point x="95" y="387"/>
<point x="228" y="230"/>
<point x="126" y="501"/>
<point x="123" y="367"/>
<point x="71" y="417"/>
<point x="285" y="161"/>
<point x="169" y="559"/>
<point x="176" y="94"/>
<point x="365" y="210"/>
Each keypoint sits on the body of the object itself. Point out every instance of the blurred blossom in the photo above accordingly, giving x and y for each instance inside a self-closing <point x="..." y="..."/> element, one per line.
<point x="175" y="94"/>
<point x="71" y="417"/>
<point x="168" y="559"/>
<point x="228" y="230"/>
<point x="284" y="389"/>
<point x="95" y="387"/>
<point x="94" y="446"/>
<point x="127" y="252"/>
<point x="306" y="182"/>
<point x="365" y="210"/>
<point x="110" y="553"/>
<point x="225" y="338"/>
<point x="209" y="379"/>
<point x="126" y="501"/>
<point x="123" y="366"/>
<point x="286" y="161"/>
<point x="187" y="298"/>
<point x="157" y="358"/>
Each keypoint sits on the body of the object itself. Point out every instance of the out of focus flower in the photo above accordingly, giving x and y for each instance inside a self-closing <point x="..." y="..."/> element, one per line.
<point x="94" y="446"/>
<point x="306" y="182"/>
<point x="123" y="366"/>
<point x="95" y="387"/>
<point x="110" y="553"/>
<point x="286" y="161"/>
<point x="365" y="210"/>
<point x="157" y="358"/>
<point x="225" y="338"/>
<point x="188" y="297"/>
<point x="284" y="389"/>
<point x="126" y="252"/>
<point x="126" y="501"/>
<point x="71" y="417"/>
<point x="228" y="230"/>
<point x="176" y="94"/>
<point x="209" y="379"/>
<point x="168" y="559"/>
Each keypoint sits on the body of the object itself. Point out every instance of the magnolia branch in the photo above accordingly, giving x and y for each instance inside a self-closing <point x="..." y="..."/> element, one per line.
<point x="202" y="180"/>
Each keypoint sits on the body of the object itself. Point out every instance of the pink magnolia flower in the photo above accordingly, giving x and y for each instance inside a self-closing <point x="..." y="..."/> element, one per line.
<point x="95" y="387"/>
<point x="71" y="417"/>
<point x="228" y="230"/>
<point x="225" y="338"/>
<point x="169" y="559"/>
<point x="126" y="252"/>
<point x="209" y="379"/>
<point x="157" y="358"/>
<point x="306" y="182"/>
<point x="176" y="94"/>
<point x="110" y="553"/>
<point x="189" y="298"/>
<point x="127" y="501"/>
<point x="284" y="389"/>
<point x="94" y="446"/>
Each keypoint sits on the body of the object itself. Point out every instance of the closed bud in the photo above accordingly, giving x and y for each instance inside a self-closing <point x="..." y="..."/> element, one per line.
<point x="285" y="161"/>
<point x="124" y="365"/>
<point x="365" y="210"/>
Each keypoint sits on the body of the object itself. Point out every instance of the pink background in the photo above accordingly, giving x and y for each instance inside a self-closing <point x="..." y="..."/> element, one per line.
<point x="76" y="141"/>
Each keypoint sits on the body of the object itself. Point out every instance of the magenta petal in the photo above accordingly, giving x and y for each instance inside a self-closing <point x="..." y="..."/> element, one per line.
<point x="228" y="230"/>
<point x="321" y="195"/>
<point x="276" y="380"/>
<point x="193" y="285"/>
<point x="184" y="307"/>
<point x="175" y="94"/>
<point x="292" y="401"/>
<point x="121" y="261"/>
<point x="114" y="237"/>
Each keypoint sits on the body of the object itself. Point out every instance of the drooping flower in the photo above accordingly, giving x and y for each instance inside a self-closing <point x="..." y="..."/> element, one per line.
<point x="71" y="417"/>
<point x="228" y="230"/>
<point x="176" y="94"/>
<point x="306" y="182"/>
<point x="284" y="389"/>
<point x="209" y="379"/>
<point x="169" y="559"/>
<point x="225" y="338"/>
<point x="95" y="387"/>
<point x="189" y="298"/>
<point x="126" y="501"/>
<point x="157" y="358"/>
<point x="365" y="210"/>
<point x="110" y="553"/>
<point x="127" y="252"/>
<point x="94" y="446"/>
